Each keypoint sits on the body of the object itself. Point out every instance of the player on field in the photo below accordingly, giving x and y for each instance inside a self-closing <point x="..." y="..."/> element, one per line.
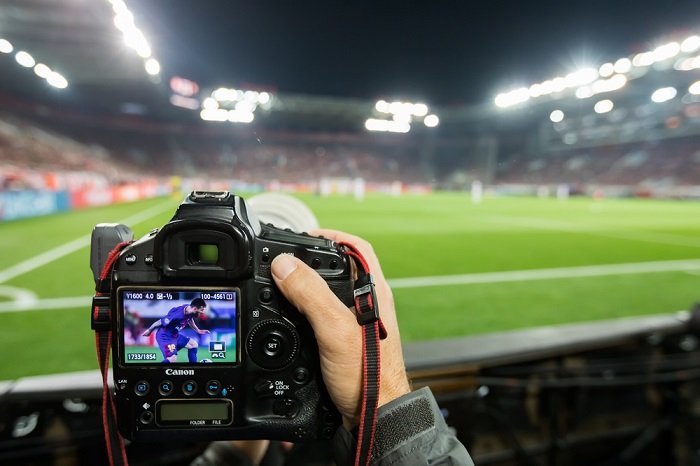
<point x="168" y="336"/>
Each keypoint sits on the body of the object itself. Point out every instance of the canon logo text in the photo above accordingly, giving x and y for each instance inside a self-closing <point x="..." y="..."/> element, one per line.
<point x="179" y="371"/>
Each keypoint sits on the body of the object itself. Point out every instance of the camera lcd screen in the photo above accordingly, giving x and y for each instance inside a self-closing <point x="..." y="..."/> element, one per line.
<point x="178" y="326"/>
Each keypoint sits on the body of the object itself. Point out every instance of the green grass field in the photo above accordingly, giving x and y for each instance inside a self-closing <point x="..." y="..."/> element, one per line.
<point x="506" y="263"/>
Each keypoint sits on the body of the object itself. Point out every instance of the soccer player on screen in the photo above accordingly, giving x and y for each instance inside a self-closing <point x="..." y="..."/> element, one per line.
<point x="168" y="336"/>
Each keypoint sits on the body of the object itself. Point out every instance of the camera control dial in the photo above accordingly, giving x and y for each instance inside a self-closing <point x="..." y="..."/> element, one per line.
<point x="273" y="344"/>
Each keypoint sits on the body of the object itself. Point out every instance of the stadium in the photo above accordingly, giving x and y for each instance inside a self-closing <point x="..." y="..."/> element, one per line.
<point x="540" y="230"/>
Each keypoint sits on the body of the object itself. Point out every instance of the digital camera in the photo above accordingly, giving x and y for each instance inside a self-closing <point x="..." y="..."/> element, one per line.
<point x="204" y="345"/>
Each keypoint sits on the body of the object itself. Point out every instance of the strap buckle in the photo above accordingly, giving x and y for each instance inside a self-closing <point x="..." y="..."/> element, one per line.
<point x="366" y="305"/>
<point x="100" y="315"/>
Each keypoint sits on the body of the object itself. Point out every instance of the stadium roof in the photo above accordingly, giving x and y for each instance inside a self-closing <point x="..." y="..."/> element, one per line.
<point x="326" y="62"/>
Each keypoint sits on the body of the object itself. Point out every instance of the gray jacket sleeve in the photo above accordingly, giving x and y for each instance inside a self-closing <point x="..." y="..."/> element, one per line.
<point x="410" y="431"/>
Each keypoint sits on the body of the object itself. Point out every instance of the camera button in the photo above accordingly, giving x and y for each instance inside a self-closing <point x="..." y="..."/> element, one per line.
<point x="189" y="388"/>
<point x="130" y="259"/>
<point x="265" y="295"/>
<point x="301" y="375"/>
<point x="142" y="388"/>
<point x="333" y="264"/>
<point x="165" y="388"/>
<point x="213" y="387"/>
<point x="315" y="262"/>
<point x="148" y="260"/>
<point x="286" y="408"/>
<point x="146" y="417"/>
<point x="272" y="345"/>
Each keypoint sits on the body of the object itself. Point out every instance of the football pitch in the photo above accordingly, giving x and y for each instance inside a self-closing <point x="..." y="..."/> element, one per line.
<point x="456" y="268"/>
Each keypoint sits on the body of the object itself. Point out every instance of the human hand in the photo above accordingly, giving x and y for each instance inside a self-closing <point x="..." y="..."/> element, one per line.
<point x="146" y="333"/>
<point x="337" y="332"/>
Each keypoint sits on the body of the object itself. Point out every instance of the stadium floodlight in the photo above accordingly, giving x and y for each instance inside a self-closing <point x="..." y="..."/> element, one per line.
<point x="643" y="59"/>
<point x="556" y="116"/>
<point x="535" y="90"/>
<point x="603" y="106"/>
<point x="240" y="116"/>
<point x="513" y="97"/>
<point x="695" y="88"/>
<point x="374" y="124"/>
<point x="25" y="59"/>
<point x="245" y="106"/>
<point x="606" y="70"/>
<point x="547" y="87"/>
<point x="431" y="121"/>
<point x="42" y="70"/>
<point x="6" y="46"/>
<point x="420" y="110"/>
<point x="210" y="103"/>
<point x="580" y="77"/>
<point x="57" y="80"/>
<point x="614" y="83"/>
<point x="691" y="44"/>
<point x="664" y="94"/>
<point x="623" y="65"/>
<point x="152" y="66"/>
<point x="382" y="106"/>
<point x="264" y="98"/>
<point x="402" y="118"/>
<point x="558" y="84"/>
<point x="666" y="51"/>
<point x="218" y="114"/>
<point x="584" y="92"/>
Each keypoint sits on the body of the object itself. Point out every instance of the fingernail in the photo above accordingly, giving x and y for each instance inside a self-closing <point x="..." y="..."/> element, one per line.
<point x="283" y="265"/>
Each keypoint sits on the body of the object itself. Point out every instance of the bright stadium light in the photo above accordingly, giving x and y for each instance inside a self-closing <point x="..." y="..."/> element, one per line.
<point x="25" y="59"/>
<point x="664" y="94"/>
<point x="691" y="44"/>
<point x="584" y="92"/>
<point x="420" y="110"/>
<point x="245" y="106"/>
<point x="643" y="59"/>
<point x="264" y="98"/>
<point x="210" y="103"/>
<point x="374" y="124"/>
<point x="603" y="106"/>
<point x="152" y="66"/>
<point x="666" y="51"/>
<point x="431" y="121"/>
<point x="556" y="116"/>
<point x="606" y="70"/>
<point x="217" y="114"/>
<point x="618" y="81"/>
<point x="695" y="88"/>
<point x="382" y="106"/>
<point x="6" y="46"/>
<point x="623" y="65"/>
<point x="240" y="116"/>
<point x="42" y="70"/>
<point x="581" y="77"/>
<point x="57" y="80"/>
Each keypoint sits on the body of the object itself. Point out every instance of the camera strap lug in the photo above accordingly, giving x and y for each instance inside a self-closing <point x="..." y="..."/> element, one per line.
<point x="100" y="316"/>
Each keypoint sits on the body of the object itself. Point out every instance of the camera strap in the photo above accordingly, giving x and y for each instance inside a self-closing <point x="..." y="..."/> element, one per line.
<point x="367" y="314"/>
<point x="101" y="324"/>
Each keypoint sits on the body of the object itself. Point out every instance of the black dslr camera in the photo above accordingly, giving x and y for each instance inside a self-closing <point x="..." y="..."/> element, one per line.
<point x="204" y="345"/>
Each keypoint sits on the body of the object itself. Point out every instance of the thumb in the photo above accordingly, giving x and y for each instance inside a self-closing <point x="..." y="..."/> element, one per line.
<point x="310" y="294"/>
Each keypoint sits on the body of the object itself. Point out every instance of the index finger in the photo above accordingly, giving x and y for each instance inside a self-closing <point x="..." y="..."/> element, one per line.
<point x="363" y="245"/>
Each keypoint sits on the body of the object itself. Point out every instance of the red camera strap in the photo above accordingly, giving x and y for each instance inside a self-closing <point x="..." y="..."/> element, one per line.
<point x="101" y="314"/>
<point x="367" y="314"/>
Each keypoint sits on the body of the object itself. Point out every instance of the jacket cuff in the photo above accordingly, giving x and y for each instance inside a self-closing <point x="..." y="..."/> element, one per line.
<point x="412" y="418"/>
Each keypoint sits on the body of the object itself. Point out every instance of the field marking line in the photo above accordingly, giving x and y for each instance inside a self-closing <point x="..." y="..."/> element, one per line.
<point x="632" y="268"/>
<point x="72" y="246"/>
<point x="690" y="265"/>
<point x="558" y="225"/>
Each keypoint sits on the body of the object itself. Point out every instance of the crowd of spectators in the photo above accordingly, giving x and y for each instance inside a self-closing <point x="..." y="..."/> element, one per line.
<point x="36" y="155"/>
<point x="669" y="162"/>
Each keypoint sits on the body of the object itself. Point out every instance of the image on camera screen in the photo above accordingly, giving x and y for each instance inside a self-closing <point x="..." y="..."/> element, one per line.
<point x="178" y="326"/>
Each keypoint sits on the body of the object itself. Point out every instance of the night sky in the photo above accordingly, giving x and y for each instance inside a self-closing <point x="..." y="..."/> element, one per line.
<point x="443" y="52"/>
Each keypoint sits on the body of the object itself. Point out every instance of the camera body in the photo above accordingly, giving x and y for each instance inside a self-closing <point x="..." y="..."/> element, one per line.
<point x="248" y="365"/>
